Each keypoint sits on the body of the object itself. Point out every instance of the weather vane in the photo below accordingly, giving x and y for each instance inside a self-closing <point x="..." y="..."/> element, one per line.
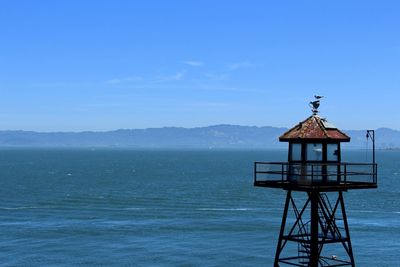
<point x="315" y="104"/>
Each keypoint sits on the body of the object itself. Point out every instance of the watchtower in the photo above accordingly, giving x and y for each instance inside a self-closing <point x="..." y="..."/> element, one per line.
<point x="315" y="176"/>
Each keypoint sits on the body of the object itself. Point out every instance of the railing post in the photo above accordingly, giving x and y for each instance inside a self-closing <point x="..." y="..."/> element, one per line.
<point x="345" y="174"/>
<point x="255" y="172"/>
<point x="283" y="168"/>
<point x="312" y="174"/>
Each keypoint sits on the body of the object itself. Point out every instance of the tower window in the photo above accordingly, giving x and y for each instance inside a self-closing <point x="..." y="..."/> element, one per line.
<point x="332" y="152"/>
<point x="314" y="152"/>
<point x="296" y="152"/>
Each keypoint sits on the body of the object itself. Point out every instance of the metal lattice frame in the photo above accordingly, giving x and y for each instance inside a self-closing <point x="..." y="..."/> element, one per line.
<point x="314" y="233"/>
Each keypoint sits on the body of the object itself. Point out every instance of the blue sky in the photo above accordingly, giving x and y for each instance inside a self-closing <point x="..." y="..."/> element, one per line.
<point x="104" y="65"/>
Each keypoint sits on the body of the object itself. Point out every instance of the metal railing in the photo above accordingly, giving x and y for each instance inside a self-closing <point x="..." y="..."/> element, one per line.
<point x="316" y="173"/>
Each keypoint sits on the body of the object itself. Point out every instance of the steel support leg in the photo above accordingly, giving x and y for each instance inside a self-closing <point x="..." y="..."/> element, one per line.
<point x="314" y="257"/>
<point x="282" y="232"/>
<point x="346" y="226"/>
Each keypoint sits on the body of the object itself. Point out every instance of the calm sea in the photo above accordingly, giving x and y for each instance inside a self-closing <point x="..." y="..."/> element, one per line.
<point x="167" y="208"/>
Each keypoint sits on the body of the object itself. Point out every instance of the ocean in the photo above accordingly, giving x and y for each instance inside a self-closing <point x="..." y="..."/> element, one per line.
<point x="116" y="207"/>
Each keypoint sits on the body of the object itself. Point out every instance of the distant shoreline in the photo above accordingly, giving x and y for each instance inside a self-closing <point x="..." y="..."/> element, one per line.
<point x="210" y="137"/>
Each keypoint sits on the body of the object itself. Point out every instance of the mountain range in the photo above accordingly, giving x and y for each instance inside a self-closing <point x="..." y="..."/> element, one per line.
<point x="217" y="136"/>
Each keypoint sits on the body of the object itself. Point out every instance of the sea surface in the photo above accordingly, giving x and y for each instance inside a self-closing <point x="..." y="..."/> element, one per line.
<point x="113" y="207"/>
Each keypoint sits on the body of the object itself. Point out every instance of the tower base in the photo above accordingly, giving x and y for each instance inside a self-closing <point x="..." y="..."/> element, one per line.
<point x="319" y="235"/>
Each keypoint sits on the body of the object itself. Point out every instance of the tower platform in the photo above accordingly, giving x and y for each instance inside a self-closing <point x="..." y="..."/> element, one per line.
<point x="323" y="177"/>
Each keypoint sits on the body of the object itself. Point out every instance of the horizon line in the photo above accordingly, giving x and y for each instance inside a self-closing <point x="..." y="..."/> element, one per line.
<point x="174" y="127"/>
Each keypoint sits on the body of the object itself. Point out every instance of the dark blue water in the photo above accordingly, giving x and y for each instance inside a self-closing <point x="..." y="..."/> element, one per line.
<point x="167" y="208"/>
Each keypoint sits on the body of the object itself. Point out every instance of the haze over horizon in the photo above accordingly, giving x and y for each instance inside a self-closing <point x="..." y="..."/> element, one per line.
<point x="218" y="136"/>
<point x="182" y="127"/>
<point x="106" y="65"/>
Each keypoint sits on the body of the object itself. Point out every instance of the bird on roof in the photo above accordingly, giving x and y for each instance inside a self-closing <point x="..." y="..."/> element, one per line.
<point x="315" y="105"/>
<point x="318" y="96"/>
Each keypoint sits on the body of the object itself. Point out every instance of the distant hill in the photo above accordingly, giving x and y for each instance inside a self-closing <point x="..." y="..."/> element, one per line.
<point x="218" y="136"/>
<point x="385" y="138"/>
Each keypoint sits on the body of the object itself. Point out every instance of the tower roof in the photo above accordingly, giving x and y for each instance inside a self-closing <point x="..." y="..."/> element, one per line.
<point x="314" y="128"/>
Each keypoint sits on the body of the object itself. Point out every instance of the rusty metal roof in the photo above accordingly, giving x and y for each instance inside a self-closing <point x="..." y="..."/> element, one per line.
<point x="315" y="128"/>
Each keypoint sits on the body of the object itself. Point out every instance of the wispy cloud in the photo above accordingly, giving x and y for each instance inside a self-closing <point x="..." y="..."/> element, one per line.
<point x="194" y="63"/>
<point x="63" y="84"/>
<point x="217" y="76"/>
<point x="174" y="77"/>
<point x="124" y="80"/>
<point x="240" y="65"/>
<point x="209" y="104"/>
